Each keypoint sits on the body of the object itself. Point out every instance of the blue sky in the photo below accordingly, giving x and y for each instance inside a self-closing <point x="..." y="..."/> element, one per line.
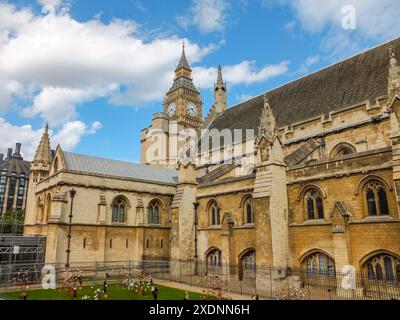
<point x="98" y="70"/>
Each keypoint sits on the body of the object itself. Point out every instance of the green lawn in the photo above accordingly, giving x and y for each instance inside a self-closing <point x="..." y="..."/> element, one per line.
<point x="114" y="292"/>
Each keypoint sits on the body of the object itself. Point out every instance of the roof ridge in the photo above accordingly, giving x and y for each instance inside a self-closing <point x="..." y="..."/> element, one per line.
<point x="312" y="73"/>
<point x="115" y="160"/>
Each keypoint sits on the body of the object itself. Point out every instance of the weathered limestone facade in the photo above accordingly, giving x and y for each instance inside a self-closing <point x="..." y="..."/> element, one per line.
<point x="311" y="183"/>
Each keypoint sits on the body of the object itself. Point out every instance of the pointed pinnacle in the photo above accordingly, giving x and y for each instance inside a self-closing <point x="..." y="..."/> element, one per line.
<point x="220" y="80"/>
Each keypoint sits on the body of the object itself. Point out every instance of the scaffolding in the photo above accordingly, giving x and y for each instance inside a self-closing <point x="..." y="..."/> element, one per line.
<point x="21" y="259"/>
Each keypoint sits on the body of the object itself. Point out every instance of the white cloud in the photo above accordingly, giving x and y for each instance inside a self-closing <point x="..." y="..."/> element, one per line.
<point x="54" y="3"/>
<point x="207" y="15"/>
<point x="71" y="133"/>
<point x="243" y="97"/>
<point x="242" y="73"/>
<point x="57" y="63"/>
<point x="310" y="61"/>
<point x="68" y="62"/>
<point x="375" y="20"/>
<point x="68" y="136"/>
<point x="11" y="134"/>
<point x="57" y="105"/>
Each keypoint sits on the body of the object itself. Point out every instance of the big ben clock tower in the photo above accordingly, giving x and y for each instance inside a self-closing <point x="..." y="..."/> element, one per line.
<point x="162" y="141"/>
<point x="183" y="101"/>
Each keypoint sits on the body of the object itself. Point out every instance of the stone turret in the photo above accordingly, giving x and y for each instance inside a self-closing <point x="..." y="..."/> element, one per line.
<point x="43" y="156"/>
<point x="39" y="171"/>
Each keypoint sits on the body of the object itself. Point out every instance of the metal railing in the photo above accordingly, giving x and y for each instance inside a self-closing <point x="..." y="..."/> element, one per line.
<point x="267" y="283"/>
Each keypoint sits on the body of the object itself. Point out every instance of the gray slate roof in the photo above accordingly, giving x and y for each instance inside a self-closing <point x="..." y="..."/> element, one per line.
<point x="115" y="168"/>
<point x="183" y="63"/>
<point x="15" y="164"/>
<point x="358" y="79"/>
<point x="183" y="82"/>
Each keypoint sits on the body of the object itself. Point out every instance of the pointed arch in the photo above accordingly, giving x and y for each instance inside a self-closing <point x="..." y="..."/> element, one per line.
<point x="316" y="261"/>
<point x="309" y="252"/>
<point x="363" y="181"/>
<point x="154" y="210"/>
<point x="119" y="207"/>
<point x="246" y="204"/>
<point x="48" y="207"/>
<point x="342" y="149"/>
<point x="211" y="202"/>
<point x="244" y="199"/>
<point x="247" y="264"/>
<point x="309" y="186"/>
<point x="381" y="266"/>
<point x="213" y="258"/>
<point x="374" y="253"/>
<point x="58" y="162"/>
<point x="159" y="200"/>
<point x="213" y="210"/>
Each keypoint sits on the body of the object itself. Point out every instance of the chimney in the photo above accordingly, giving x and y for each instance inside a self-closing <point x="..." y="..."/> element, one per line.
<point x="1" y="157"/>
<point x="9" y="153"/>
<point x="17" y="150"/>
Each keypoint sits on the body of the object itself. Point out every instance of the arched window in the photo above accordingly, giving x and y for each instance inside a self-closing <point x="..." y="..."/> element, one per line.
<point x="248" y="211"/>
<point x="376" y="199"/>
<point x="314" y="205"/>
<point x="319" y="263"/>
<point x="48" y="209"/>
<point x="342" y="150"/>
<point x="247" y="265"/>
<point x="215" y="214"/>
<point x="154" y="212"/>
<point x="383" y="267"/>
<point x="119" y="210"/>
<point x="214" y="260"/>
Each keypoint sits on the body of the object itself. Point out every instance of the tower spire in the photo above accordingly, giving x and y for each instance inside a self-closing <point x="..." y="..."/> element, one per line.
<point x="43" y="152"/>
<point x="183" y="62"/>
<point x="220" y="100"/>
<point x="220" y="81"/>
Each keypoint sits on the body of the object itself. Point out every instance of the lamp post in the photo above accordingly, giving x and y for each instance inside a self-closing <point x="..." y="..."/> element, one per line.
<point x="72" y="194"/>
<point x="196" y="257"/>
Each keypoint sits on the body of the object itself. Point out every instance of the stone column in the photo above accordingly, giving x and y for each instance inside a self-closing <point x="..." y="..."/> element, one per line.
<point x="228" y="258"/>
<point x="101" y="230"/>
<point x="182" y="216"/>
<point x="342" y="253"/>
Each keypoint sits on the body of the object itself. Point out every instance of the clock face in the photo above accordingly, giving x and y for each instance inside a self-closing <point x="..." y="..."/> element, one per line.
<point x="171" y="109"/>
<point x="191" y="109"/>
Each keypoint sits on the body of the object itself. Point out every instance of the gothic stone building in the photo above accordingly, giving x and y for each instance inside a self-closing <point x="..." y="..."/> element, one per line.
<point x="318" y="188"/>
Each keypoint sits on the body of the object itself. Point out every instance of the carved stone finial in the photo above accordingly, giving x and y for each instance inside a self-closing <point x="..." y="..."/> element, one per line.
<point x="187" y="152"/>
<point x="393" y="79"/>
<point x="267" y="121"/>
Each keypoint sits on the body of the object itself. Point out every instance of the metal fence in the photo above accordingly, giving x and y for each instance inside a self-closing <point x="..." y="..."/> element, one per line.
<point x="21" y="257"/>
<point x="267" y="283"/>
